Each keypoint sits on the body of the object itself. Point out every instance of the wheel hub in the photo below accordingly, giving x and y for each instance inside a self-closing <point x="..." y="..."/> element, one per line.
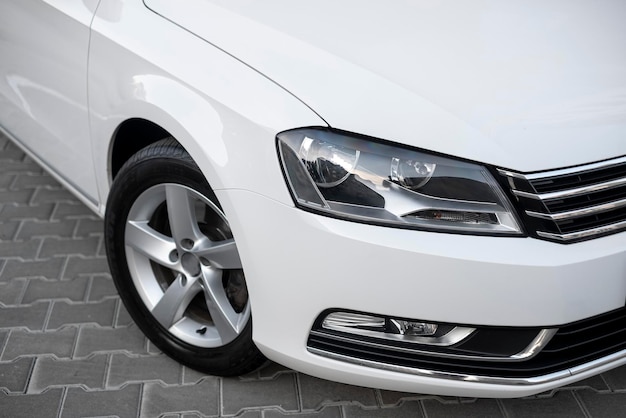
<point x="191" y="264"/>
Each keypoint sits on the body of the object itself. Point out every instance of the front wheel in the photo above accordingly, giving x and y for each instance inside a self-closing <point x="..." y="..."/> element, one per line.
<point x="175" y="262"/>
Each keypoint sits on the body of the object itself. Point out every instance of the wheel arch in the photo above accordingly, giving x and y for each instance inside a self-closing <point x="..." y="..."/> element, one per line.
<point x="131" y="136"/>
<point x="138" y="122"/>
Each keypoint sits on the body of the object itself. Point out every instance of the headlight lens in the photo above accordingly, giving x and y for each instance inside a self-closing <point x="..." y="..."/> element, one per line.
<point x="368" y="181"/>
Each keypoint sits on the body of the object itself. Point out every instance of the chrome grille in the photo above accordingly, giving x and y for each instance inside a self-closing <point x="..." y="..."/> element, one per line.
<point x="573" y="204"/>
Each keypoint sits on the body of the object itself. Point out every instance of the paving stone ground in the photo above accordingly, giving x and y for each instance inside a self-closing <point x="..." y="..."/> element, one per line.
<point x="69" y="349"/>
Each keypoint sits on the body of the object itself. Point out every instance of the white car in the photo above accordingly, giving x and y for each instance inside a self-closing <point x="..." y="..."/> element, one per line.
<point x="426" y="196"/>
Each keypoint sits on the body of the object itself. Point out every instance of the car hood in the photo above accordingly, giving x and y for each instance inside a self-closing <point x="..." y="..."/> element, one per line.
<point x="521" y="85"/>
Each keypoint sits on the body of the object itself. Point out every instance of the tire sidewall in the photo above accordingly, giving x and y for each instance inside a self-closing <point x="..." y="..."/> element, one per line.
<point x="146" y="169"/>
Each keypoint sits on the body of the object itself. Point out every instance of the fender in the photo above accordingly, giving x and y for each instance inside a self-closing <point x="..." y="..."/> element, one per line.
<point x="222" y="117"/>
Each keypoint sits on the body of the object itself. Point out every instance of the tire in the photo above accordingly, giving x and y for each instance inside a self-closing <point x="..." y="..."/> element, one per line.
<point x="175" y="263"/>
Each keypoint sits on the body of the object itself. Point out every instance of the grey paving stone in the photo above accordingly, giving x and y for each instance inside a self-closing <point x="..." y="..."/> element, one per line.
<point x="16" y="196"/>
<point x="20" y="166"/>
<point x="101" y="287"/>
<point x="34" y="180"/>
<point x="89" y="227"/>
<point x="470" y="408"/>
<point x="49" y="269"/>
<point x="125" y="369"/>
<point x="14" y="375"/>
<point x="24" y="343"/>
<point x="102" y="249"/>
<point x="123" y="403"/>
<point x="6" y="180"/>
<point x="153" y="349"/>
<point x="71" y="210"/>
<point x="82" y="266"/>
<point x="11" y="292"/>
<point x="54" y="247"/>
<point x="4" y="336"/>
<point x="34" y="229"/>
<point x="31" y="317"/>
<point x="22" y="249"/>
<point x="100" y="313"/>
<point x="98" y="339"/>
<point x="246" y="414"/>
<point x="327" y="412"/>
<point x="239" y="394"/>
<point x="318" y="392"/>
<point x="12" y="152"/>
<point x="271" y="370"/>
<point x="603" y="405"/>
<point x="123" y="317"/>
<point x="201" y="398"/>
<point x="45" y="195"/>
<point x="44" y="405"/>
<point x="15" y="212"/>
<point x="616" y="378"/>
<point x="409" y="409"/>
<point x="50" y="372"/>
<point x="562" y="404"/>
<point x="191" y="376"/>
<point x="44" y="289"/>
<point x="8" y="229"/>
<point x="389" y="397"/>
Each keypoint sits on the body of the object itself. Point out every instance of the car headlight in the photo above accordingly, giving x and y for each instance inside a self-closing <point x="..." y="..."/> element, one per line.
<point x="369" y="181"/>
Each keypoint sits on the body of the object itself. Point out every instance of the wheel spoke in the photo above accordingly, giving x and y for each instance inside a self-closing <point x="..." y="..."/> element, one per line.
<point x="226" y="320"/>
<point x="171" y="307"/>
<point x="181" y="214"/>
<point x="193" y="242"/>
<point x="149" y="242"/>
<point x="221" y="254"/>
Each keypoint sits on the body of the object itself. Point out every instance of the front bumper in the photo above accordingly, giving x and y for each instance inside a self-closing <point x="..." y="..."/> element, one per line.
<point x="299" y="264"/>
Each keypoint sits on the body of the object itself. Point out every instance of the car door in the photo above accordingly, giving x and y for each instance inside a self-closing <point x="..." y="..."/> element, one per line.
<point x="43" y="84"/>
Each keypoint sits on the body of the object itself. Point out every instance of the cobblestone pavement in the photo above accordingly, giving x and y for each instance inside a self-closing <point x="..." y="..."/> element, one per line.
<point x="68" y="347"/>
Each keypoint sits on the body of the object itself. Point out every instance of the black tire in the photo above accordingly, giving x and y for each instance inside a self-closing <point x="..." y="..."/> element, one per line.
<point x="181" y="278"/>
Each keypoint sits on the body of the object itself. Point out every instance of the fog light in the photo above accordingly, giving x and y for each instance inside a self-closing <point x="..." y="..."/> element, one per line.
<point x="413" y="328"/>
<point x="388" y="328"/>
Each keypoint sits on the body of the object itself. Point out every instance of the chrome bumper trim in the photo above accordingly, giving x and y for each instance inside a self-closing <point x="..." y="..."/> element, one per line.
<point x="615" y="359"/>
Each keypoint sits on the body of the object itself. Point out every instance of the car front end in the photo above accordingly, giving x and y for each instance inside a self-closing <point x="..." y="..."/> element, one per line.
<point x="454" y="221"/>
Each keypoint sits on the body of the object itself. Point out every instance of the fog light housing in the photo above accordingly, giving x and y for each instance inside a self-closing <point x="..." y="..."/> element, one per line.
<point x="397" y="329"/>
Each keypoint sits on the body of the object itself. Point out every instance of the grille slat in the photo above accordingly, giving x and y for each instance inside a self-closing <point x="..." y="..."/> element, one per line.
<point x="575" y="204"/>
<point x="580" y="212"/>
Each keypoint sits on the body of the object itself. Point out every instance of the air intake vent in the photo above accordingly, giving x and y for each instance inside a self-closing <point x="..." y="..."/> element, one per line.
<point x="572" y="346"/>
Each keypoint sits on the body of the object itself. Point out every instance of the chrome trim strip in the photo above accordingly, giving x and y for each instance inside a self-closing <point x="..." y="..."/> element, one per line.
<point x="617" y="358"/>
<point x="574" y="192"/>
<point x="513" y="174"/>
<point x="583" y="234"/>
<point x="536" y="345"/>
<point x="540" y="341"/>
<point x="564" y="171"/>
<point x="577" y="213"/>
